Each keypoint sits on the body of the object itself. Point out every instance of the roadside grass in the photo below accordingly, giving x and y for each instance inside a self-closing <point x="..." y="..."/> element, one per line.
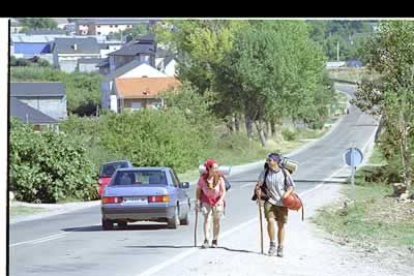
<point x="351" y="74"/>
<point x="15" y="211"/>
<point x="375" y="218"/>
<point x="376" y="156"/>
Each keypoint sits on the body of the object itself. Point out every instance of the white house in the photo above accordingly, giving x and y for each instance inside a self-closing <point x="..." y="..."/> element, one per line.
<point x="167" y="65"/>
<point x="67" y="52"/>
<point x="61" y="22"/>
<point x="134" y="69"/>
<point x="106" y="26"/>
<point x="109" y="47"/>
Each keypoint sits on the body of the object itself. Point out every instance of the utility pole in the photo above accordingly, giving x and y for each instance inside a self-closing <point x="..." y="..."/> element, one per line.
<point x="337" y="50"/>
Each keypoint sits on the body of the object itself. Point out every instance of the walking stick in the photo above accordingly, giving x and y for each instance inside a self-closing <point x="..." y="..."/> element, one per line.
<point x="261" y="224"/>
<point x="195" y="226"/>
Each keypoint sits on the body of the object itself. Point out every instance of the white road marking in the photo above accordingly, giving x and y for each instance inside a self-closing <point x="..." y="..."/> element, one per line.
<point x="159" y="267"/>
<point x="247" y="185"/>
<point x="41" y="240"/>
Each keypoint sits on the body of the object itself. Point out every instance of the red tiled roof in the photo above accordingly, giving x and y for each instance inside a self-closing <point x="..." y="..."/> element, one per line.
<point x="144" y="87"/>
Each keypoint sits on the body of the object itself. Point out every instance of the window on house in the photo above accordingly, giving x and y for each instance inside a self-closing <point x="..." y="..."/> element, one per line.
<point x="116" y="26"/>
<point x="157" y="104"/>
<point x="99" y="33"/>
<point x="136" y="105"/>
<point x="110" y="26"/>
<point x="99" y="26"/>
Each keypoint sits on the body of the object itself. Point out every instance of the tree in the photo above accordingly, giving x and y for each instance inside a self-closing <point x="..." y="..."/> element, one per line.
<point x="346" y="34"/>
<point x="274" y="71"/>
<point x="391" y="54"/>
<point x="37" y="23"/>
<point x="199" y="44"/>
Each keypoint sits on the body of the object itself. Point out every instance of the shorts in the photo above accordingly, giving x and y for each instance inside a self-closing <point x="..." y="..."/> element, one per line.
<point x="216" y="211"/>
<point x="279" y="213"/>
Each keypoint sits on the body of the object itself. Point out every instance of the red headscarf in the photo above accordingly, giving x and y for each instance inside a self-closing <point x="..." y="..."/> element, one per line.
<point x="209" y="163"/>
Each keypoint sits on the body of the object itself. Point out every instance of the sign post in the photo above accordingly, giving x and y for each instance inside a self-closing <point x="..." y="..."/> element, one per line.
<point x="353" y="157"/>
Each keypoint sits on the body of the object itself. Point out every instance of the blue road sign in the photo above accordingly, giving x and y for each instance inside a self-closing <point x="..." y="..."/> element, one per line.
<point x="353" y="157"/>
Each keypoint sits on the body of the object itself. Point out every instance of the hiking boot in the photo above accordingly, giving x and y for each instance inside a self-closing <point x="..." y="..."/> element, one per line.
<point x="272" y="250"/>
<point x="205" y="244"/>
<point x="214" y="244"/>
<point x="280" y="251"/>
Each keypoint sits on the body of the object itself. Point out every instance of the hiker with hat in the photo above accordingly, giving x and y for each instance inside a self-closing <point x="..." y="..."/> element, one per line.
<point x="272" y="178"/>
<point x="210" y="195"/>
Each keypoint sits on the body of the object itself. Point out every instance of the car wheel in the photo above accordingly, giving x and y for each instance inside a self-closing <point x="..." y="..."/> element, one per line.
<point x="107" y="224"/>
<point x="185" y="220"/>
<point x="175" y="220"/>
<point x="122" y="224"/>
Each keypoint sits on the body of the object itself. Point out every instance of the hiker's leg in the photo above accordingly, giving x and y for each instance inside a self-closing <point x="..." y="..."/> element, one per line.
<point x="280" y="233"/>
<point x="206" y="227"/>
<point x="216" y="227"/>
<point x="271" y="229"/>
<point x="217" y="213"/>
<point x="281" y="217"/>
<point x="270" y="217"/>
<point x="207" y="221"/>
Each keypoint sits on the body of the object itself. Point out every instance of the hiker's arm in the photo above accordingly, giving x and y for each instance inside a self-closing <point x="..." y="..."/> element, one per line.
<point x="198" y="194"/>
<point x="260" y="180"/>
<point x="290" y="185"/>
<point x="258" y="190"/>
<point x="223" y="189"/>
<point x="288" y="191"/>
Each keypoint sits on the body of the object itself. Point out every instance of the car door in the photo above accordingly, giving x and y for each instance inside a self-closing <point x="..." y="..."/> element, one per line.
<point x="180" y="193"/>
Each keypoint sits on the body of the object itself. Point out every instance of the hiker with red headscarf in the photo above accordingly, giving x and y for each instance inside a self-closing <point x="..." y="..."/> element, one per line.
<point x="210" y="195"/>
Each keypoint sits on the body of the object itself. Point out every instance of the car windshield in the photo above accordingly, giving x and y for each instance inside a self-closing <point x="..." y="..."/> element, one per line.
<point x="140" y="178"/>
<point x="107" y="170"/>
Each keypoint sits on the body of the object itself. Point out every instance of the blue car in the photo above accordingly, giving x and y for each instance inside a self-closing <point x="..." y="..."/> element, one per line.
<point x="145" y="194"/>
<point x="354" y="63"/>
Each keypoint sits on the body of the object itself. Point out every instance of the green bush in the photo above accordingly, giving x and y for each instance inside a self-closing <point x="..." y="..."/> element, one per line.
<point x="87" y="131"/>
<point x="48" y="166"/>
<point x="233" y="141"/>
<point x="153" y="138"/>
<point x="371" y="174"/>
<point x="289" y="135"/>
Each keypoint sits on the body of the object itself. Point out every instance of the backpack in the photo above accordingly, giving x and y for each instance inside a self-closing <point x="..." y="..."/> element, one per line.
<point x="264" y="195"/>
<point x="227" y="183"/>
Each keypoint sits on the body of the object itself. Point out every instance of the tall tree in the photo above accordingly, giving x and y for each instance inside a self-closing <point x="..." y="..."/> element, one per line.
<point x="391" y="54"/>
<point x="38" y="23"/>
<point x="273" y="71"/>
